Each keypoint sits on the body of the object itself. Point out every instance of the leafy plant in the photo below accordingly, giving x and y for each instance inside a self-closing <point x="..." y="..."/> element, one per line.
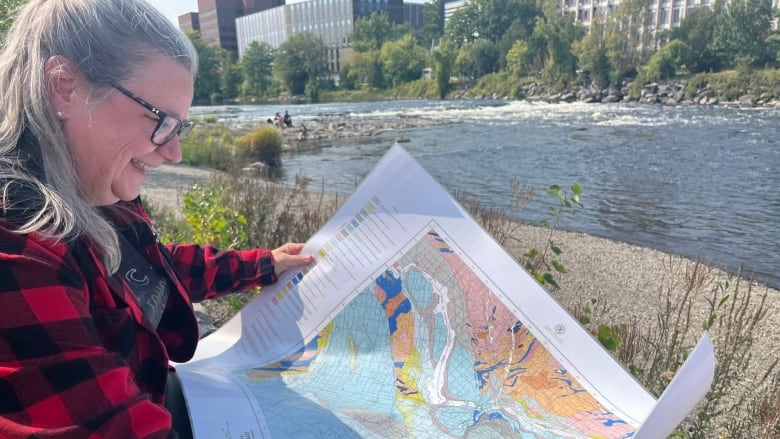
<point x="542" y="264"/>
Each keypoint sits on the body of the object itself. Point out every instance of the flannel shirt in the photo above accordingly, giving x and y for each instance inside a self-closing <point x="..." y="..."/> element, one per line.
<point x="78" y="358"/>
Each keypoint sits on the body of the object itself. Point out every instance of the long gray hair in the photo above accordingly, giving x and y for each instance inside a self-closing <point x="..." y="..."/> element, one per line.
<point x="108" y="41"/>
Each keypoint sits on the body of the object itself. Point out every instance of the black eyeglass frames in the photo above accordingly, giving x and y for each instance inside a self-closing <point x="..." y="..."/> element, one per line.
<point x="167" y="125"/>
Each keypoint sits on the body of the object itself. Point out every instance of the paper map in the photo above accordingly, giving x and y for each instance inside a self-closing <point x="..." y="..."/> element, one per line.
<point x="414" y="323"/>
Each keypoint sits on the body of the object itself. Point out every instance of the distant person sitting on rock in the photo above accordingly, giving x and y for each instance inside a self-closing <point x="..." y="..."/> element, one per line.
<point x="287" y="119"/>
<point x="278" y="121"/>
<point x="302" y="131"/>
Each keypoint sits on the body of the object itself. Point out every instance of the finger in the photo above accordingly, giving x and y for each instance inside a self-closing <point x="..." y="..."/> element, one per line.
<point x="293" y="248"/>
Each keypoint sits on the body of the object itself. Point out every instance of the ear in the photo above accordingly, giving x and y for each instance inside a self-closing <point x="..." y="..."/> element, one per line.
<point x="61" y="82"/>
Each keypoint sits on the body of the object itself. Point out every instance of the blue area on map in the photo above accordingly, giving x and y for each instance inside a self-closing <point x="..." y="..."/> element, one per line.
<point x="483" y="373"/>
<point x="421" y="290"/>
<point x="392" y="286"/>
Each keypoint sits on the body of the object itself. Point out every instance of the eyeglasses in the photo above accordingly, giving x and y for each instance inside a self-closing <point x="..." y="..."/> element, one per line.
<point x="167" y="126"/>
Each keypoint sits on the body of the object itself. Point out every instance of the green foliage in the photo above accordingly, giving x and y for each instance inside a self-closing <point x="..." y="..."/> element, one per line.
<point x="207" y="80"/>
<point x="211" y="219"/>
<point x="422" y="88"/>
<point x="372" y="32"/>
<point x="210" y="145"/>
<point x="521" y="29"/>
<point x="518" y="62"/>
<point x="402" y="60"/>
<point x="299" y="61"/>
<point x="476" y="59"/>
<point x="501" y="84"/>
<point x="591" y="53"/>
<point x="739" y="30"/>
<point x="553" y="36"/>
<point x="432" y="29"/>
<point x="542" y="264"/>
<point x="490" y="20"/>
<point x="442" y="61"/>
<point x="627" y="38"/>
<point x="732" y="84"/>
<point x="664" y="63"/>
<point x="262" y="144"/>
<point x="696" y="31"/>
<point x="256" y="67"/>
<point x="365" y="70"/>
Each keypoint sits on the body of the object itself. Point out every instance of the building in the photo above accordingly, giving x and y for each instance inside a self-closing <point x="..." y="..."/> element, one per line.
<point x="189" y="22"/>
<point x="216" y="20"/>
<point x="234" y="24"/>
<point x="329" y="20"/>
<point x="664" y="14"/>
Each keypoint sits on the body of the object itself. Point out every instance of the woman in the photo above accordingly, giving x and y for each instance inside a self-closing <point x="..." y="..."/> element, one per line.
<point x="95" y="93"/>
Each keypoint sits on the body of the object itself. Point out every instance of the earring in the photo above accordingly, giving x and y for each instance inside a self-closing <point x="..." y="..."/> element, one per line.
<point x="60" y="114"/>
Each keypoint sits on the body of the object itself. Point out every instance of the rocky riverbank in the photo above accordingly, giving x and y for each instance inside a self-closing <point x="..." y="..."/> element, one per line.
<point x="667" y="93"/>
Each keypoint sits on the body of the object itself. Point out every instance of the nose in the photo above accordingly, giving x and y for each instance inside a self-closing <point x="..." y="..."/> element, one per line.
<point x="171" y="151"/>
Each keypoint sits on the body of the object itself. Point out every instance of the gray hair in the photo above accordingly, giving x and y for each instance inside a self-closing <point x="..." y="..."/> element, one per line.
<point x="109" y="41"/>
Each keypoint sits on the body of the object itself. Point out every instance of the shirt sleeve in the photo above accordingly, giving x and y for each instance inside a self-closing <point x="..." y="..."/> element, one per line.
<point x="208" y="272"/>
<point x="56" y="378"/>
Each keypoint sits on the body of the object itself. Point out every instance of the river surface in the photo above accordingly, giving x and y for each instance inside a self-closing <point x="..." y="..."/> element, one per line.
<point x="694" y="181"/>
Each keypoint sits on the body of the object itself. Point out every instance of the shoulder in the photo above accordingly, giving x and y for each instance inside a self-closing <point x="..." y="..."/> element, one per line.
<point x="33" y="259"/>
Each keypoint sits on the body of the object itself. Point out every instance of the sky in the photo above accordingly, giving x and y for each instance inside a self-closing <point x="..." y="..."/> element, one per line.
<point x="173" y="8"/>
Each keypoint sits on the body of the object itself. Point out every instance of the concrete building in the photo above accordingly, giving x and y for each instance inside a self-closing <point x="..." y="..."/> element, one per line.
<point x="664" y="14"/>
<point x="329" y="20"/>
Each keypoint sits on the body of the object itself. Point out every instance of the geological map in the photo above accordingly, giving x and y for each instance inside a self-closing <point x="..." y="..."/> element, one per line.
<point x="427" y="351"/>
<point x="413" y="322"/>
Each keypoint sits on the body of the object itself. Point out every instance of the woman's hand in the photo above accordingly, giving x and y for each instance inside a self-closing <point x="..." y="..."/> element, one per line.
<point x="289" y="256"/>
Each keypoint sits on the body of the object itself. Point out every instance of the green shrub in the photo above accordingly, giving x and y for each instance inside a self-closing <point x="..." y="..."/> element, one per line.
<point x="263" y="144"/>
<point x="208" y="145"/>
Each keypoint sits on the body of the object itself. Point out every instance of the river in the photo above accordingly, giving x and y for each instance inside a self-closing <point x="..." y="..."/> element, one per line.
<point x="695" y="181"/>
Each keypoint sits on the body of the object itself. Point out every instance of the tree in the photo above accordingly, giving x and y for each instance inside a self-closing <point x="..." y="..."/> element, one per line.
<point x="300" y="62"/>
<point x="591" y="53"/>
<point x="230" y="76"/>
<point x="628" y="38"/>
<point x="554" y="34"/>
<point x="432" y="28"/>
<point x="696" y="32"/>
<point x="489" y="20"/>
<point x="365" y="69"/>
<point x="476" y="59"/>
<point x="442" y="61"/>
<point x="739" y="31"/>
<point x="371" y="32"/>
<point x="517" y="60"/>
<point x="520" y="30"/>
<point x="256" y="65"/>
<point x="207" y="81"/>
<point x="402" y="60"/>
<point x="664" y="63"/>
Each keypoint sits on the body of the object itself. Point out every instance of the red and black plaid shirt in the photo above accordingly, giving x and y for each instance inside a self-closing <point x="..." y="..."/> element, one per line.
<point x="78" y="358"/>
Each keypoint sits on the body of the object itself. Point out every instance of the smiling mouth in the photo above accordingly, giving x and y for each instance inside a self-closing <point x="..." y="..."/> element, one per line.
<point x="143" y="166"/>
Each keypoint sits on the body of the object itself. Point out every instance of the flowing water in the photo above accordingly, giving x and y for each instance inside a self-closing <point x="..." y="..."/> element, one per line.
<point x="694" y="181"/>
